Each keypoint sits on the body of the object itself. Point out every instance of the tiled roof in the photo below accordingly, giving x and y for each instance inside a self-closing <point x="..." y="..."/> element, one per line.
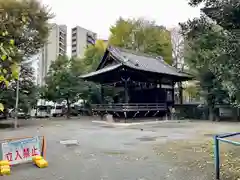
<point x="100" y="71"/>
<point x="145" y="62"/>
<point x="139" y="61"/>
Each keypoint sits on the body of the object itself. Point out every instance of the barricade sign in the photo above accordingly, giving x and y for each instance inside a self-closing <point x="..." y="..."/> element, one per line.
<point x="21" y="150"/>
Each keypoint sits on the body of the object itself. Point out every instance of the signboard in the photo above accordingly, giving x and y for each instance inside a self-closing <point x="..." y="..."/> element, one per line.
<point x="21" y="151"/>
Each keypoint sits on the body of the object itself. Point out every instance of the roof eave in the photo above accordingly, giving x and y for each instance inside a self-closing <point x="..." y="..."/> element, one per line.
<point x="100" y="71"/>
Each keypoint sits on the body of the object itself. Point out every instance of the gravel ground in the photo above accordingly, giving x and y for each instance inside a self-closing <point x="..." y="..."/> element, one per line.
<point x="109" y="153"/>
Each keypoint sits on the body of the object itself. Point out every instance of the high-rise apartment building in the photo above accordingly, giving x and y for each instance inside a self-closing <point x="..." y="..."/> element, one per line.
<point x="81" y="38"/>
<point x="55" y="46"/>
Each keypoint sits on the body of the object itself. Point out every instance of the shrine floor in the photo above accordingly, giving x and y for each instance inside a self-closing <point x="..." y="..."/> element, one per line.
<point x="78" y="149"/>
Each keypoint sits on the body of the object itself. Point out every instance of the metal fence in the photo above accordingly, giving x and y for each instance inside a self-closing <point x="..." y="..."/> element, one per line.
<point x="121" y="107"/>
<point x="222" y="138"/>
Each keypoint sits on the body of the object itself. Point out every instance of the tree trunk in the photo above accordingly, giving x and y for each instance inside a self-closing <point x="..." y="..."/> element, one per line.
<point x="68" y="108"/>
<point x="211" y="116"/>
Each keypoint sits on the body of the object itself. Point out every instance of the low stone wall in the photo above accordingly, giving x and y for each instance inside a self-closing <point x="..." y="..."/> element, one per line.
<point x="194" y="111"/>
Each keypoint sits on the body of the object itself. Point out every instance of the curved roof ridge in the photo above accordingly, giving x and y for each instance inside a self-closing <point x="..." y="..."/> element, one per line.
<point x="146" y="55"/>
<point x="138" y="53"/>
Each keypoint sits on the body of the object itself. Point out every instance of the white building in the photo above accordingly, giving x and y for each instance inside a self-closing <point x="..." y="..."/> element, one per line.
<point x="55" y="46"/>
<point x="81" y="38"/>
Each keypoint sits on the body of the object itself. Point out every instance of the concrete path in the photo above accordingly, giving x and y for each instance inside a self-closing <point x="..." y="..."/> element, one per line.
<point x="103" y="152"/>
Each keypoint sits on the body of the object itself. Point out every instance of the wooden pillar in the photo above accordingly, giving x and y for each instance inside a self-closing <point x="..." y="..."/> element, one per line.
<point x="173" y="94"/>
<point x="102" y="94"/>
<point x="180" y="92"/>
<point x="125" y="80"/>
<point x="157" y="87"/>
<point x="102" y="100"/>
<point x="172" y="113"/>
<point x="126" y="90"/>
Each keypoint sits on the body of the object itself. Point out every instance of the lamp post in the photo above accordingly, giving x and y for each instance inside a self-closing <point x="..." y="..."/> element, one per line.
<point x="17" y="93"/>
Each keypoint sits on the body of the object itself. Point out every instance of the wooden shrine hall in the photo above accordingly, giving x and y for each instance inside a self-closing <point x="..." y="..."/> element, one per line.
<point x="144" y="84"/>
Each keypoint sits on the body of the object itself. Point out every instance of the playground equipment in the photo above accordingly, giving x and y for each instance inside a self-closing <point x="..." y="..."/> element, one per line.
<point x="221" y="138"/>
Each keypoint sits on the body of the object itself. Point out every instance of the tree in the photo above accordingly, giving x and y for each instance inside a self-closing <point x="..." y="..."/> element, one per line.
<point x="23" y="32"/>
<point x="225" y="65"/>
<point x="191" y="91"/>
<point x="91" y="92"/>
<point x="177" y="48"/>
<point x="204" y="42"/>
<point x="27" y="90"/>
<point x="226" y="13"/>
<point x="93" y="56"/>
<point x="178" y="57"/>
<point x="27" y="24"/>
<point x="62" y="83"/>
<point x="142" y="35"/>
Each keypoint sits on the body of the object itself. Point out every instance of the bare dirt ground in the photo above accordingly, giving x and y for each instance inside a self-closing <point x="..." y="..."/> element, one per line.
<point x="168" y="150"/>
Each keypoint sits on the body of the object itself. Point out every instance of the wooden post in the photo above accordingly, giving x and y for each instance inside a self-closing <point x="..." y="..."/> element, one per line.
<point x="102" y="100"/>
<point x="125" y="95"/>
<point x="172" y="112"/>
<point x="173" y="95"/>
<point x="125" y="91"/>
<point x="180" y="92"/>
<point x="102" y="94"/>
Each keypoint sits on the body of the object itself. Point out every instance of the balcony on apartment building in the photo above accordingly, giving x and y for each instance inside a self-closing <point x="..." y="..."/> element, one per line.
<point x="91" y="38"/>
<point x="74" y="42"/>
<point x="62" y="39"/>
<point x="74" y="30"/>
<point x="62" y="33"/>
<point x="74" y="34"/>
<point x="74" y="48"/>
<point x="62" y="52"/>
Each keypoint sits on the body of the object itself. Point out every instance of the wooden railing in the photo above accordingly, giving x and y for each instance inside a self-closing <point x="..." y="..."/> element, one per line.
<point x="121" y="107"/>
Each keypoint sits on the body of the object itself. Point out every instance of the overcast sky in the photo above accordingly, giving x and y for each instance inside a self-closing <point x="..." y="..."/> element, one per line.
<point x="99" y="15"/>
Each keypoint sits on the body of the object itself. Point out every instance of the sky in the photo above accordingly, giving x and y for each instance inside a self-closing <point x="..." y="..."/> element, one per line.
<point x="98" y="16"/>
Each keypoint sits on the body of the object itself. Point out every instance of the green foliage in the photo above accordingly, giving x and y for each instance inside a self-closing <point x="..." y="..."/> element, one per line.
<point x="27" y="24"/>
<point x="204" y="44"/>
<point x="27" y="90"/>
<point x="206" y="2"/>
<point x="191" y="91"/>
<point x="93" y="56"/>
<point x="226" y="13"/>
<point x="23" y="31"/>
<point x="8" y="53"/>
<point x="61" y="82"/>
<point x="225" y="65"/>
<point x="142" y="35"/>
